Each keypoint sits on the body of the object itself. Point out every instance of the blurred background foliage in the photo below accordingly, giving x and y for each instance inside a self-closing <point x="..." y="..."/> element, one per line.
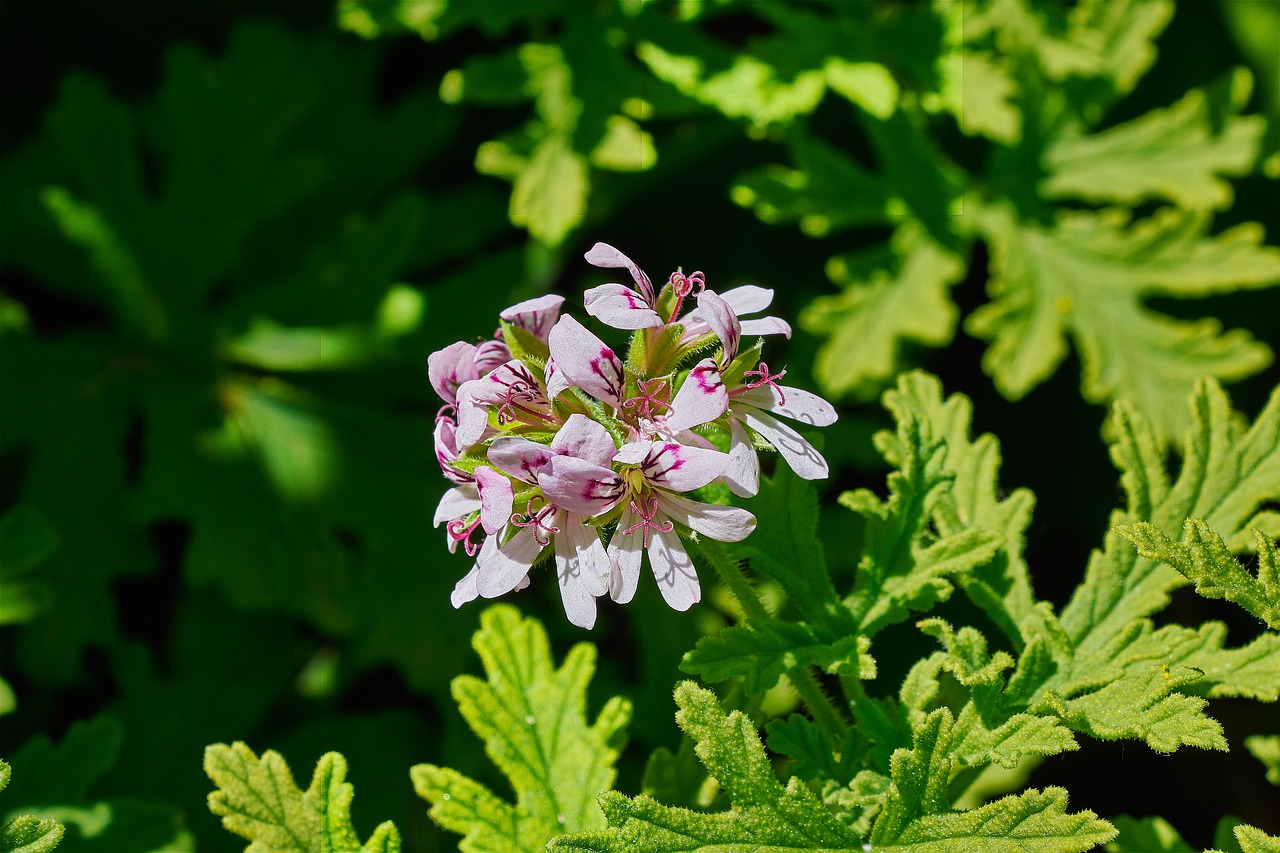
<point x="232" y="232"/>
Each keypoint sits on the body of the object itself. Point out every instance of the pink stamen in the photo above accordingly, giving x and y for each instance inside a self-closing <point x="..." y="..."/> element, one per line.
<point x="536" y="518"/>
<point x="646" y="399"/>
<point x="683" y="285"/>
<point x="445" y="412"/>
<point x="461" y="531"/>
<point x="646" y="520"/>
<point x="766" y="379"/>
<point x="518" y="392"/>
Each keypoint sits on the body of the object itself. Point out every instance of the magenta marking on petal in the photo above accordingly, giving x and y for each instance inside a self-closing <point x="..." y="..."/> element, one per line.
<point x="708" y="379"/>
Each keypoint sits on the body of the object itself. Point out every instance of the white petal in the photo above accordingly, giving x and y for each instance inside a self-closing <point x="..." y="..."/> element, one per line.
<point x="678" y="467"/>
<point x="496" y="499"/>
<point x="795" y="403"/>
<point x="673" y="570"/>
<point x="766" y="326"/>
<point x="457" y="502"/>
<point x="720" y="317"/>
<point x="502" y="570"/>
<point x="519" y="457"/>
<point x="582" y="569"/>
<point x="802" y="456"/>
<point x="701" y="399"/>
<point x="721" y="523"/>
<point x="585" y="361"/>
<point x="473" y="416"/>
<point x="579" y="486"/>
<point x="449" y="367"/>
<point x="604" y="255"/>
<point x="743" y="473"/>
<point x="625" y="551"/>
<point x="489" y="356"/>
<point x="555" y="380"/>
<point x="465" y="590"/>
<point x="748" y="299"/>
<point x="536" y="316"/>
<point x="620" y="307"/>
<point x="583" y="438"/>
<point x="584" y="543"/>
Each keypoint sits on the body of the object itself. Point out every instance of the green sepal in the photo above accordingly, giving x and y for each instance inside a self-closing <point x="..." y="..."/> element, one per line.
<point x="523" y="344"/>
<point x="747" y="359"/>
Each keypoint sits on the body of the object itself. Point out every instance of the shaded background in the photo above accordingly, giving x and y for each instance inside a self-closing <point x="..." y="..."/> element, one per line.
<point x="241" y="483"/>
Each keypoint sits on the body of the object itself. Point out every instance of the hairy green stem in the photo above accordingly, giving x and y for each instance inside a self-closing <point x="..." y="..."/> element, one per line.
<point x="824" y="710"/>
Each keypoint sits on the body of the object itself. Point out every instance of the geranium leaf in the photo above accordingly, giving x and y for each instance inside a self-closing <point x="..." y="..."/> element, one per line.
<point x="531" y="716"/>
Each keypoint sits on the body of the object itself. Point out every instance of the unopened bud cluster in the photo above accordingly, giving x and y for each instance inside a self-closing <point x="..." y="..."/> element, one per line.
<point x="555" y="444"/>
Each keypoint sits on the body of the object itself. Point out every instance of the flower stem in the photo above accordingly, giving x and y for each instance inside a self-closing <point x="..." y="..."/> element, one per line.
<point x="820" y="705"/>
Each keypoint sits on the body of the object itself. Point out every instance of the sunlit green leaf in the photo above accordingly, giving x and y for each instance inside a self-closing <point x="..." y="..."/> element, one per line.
<point x="1203" y="558"/>
<point x="258" y="800"/>
<point x="869" y="322"/>
<point x="532" y="717"/>
<point x="1088" y="278"/>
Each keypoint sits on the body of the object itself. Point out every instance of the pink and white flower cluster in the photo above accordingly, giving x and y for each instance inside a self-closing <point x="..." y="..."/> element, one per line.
<point x="557" y="445"/>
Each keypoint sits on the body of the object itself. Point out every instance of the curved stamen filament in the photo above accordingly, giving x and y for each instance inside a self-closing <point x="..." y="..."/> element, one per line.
<point x="445" y="413"/>
<point x="682" y="285"/>
<point x="646" y="521"/>
<point x="646" y="399"/>
<point x="764" y="378"/>
<point x="535" y="516"/>
<point x="460" y="530"/>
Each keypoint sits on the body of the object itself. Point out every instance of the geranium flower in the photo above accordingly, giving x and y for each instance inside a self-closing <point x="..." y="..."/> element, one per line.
<point x="582" y="566"/>
<point x="457" y="363"/>
<point x="648" y="488"/>
<point x="536" y="470"/>
<point x="753" y="402"/>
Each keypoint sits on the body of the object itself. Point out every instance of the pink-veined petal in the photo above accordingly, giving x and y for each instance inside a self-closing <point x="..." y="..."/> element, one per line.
<point x="701" y="399"/>
<point x="604" y="255"/>
<point x="583" y="438"/>
<point x="455" y="503"/>
<point x="489" y="356"/>
<point x="673" y="570"/>
<point x="503" y="569"/>
<point x="766" y="326"/>
<point x="802" y="456"/>
<point x="620" y="307"/>
<point x="519" y="457"/>
<point x="743" y="472"/>
<point x="678" y="467"/>
<point x="496" y="499"/>
<point x="444" y="438"/>
<point x="721" y="523"/>
<point x="795" y="403"/>
<point x="449" y="367"/>
<point x="579" y="486"/>
<point x="536" y="316"/>
<point x="720" y="317"/>
<point x="585" y="361"/>
<point x="625" y="553"/>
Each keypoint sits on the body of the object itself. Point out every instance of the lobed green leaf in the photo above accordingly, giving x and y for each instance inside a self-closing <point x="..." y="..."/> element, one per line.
<point x="531" y="717"/>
